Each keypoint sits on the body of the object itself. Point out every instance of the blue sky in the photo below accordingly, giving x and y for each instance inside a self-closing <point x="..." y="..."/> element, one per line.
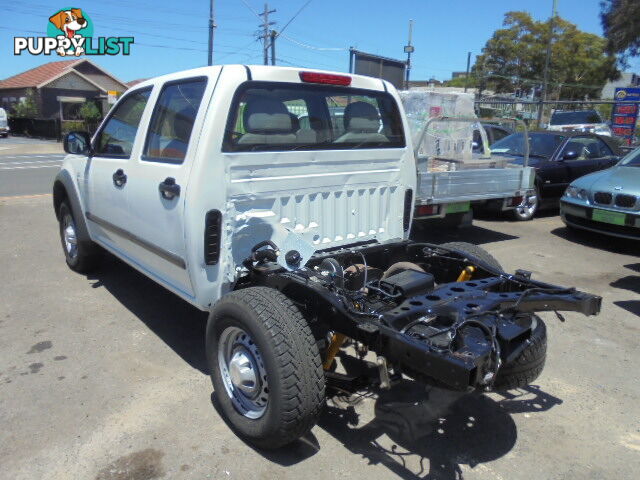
<point x="172" y="36"/>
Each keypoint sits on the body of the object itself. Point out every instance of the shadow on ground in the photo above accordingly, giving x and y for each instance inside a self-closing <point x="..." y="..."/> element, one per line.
<point x="598" y="240"/>
<point x="177" y="323"/>
<point x="430" y="232"/>
<point x="631" y="283"/>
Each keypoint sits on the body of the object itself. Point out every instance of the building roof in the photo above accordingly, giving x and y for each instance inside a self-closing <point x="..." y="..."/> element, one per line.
<point x="42" y="75"/>
<point x="135" y="82"/>
<point x="39" y="75"/>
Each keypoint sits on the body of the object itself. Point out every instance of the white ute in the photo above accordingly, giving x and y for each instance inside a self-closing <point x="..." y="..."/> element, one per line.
<point x="280" y="201"/>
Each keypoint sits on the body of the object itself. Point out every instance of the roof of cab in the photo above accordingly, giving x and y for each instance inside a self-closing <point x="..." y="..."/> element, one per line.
<point x="269" y="73"/>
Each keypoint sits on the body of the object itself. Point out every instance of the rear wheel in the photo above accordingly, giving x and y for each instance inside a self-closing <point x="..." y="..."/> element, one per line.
<point x="475" y="251"/>
<point x="528" y="208"/>
<point x="81" y="256"/>
<point x="527" y="366"/>
<point x="265" y="366"/>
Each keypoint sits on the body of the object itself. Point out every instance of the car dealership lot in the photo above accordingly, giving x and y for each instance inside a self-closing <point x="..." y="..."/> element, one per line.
<point x="104" y="377"/>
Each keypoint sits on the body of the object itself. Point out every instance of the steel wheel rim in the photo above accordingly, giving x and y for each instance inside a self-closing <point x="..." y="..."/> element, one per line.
<point x="69" y="236"/>
<point x="243" y="373"/>
<point x="528" y="206"/>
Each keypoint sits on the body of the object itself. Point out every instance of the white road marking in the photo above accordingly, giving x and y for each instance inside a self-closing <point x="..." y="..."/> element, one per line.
<point x="30" y="162"/>
<point x="34" y="166"/>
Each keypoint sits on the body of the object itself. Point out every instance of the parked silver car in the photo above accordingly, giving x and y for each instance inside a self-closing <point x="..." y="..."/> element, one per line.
<point x="607" y="201"/>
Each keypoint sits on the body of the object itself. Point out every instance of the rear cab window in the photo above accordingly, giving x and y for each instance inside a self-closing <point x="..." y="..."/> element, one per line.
<point x="267" y="116"/>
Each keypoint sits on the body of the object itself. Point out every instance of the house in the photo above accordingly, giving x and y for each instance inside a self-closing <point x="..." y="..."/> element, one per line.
<point x="60" y="88"/>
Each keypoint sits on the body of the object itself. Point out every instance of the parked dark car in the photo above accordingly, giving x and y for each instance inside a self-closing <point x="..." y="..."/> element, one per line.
<point x="559" y="158"/>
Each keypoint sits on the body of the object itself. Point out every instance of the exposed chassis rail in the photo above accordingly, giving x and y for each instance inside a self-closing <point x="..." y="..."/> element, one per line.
<point x="493" y="301"/>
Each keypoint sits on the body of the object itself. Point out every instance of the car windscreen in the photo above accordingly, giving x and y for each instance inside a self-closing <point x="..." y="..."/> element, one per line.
<point x="267" y="116"/>
<point x="573" y="118"/>
<point x="631" y="159"/>
<point x="540" y="144"/>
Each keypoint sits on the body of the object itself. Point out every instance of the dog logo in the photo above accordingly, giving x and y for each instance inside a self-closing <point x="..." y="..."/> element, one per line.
<point x="70" y="33"/>
<point x="69" y="21"/>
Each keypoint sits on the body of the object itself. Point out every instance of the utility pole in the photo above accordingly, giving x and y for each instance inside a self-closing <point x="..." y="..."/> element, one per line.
<point x="466" y="78"/>
<point x="265" y="32"/>
<point x="543" y="96"/>
<point x="408" y="49"/>
<point x="274" y="35"/>
<point x="212" y="26"/>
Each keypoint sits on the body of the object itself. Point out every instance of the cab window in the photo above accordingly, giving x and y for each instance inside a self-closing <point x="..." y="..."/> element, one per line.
<point x="119" y="132"/>
<point x="172" y="120"/>
<point x="283" y="116"/>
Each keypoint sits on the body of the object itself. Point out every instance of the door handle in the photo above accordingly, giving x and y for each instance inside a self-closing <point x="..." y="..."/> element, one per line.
<point x="169" y="189"/>
<point x="119" y="178"/>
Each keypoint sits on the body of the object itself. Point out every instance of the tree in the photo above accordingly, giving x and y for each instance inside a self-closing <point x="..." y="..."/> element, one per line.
<point x="621" y="24"/>
<point x="513" y="58"/>
<point x="89" y="112"/>
<point x="462" y="81"/>
<point x="28" y="107"/>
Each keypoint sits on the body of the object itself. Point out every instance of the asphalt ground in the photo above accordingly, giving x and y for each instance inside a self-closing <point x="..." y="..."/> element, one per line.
<point x="28" y="166"/>
<point x="104" y="377"/>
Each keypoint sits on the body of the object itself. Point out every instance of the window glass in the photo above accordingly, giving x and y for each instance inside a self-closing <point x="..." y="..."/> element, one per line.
<point x="118" y="134"/>
<point x="587" y="148"/>
<point x="276" y="116"/>
<point x="499" y="134"/>
<point x="172" y="121"/>
<point x="540" y="144"/>
<point x="605" y="151"/>
<point x="577" y="117"/>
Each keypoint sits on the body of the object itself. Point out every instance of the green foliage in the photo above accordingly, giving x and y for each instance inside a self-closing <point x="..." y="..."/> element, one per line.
<point x="73" y="126"/>
<point x="89" y="111"/>
<point x="461" y="82"/>
<point x="514" y="57"/>
<point x="621" y="24"/>
<point x="27" y="108"/>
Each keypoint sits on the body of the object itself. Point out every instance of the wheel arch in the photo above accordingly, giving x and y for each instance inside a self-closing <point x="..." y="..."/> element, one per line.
<point x="64" y="189"/>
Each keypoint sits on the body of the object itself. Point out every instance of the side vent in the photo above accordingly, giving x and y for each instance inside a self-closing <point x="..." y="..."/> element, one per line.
<point x="212" y="227"/>
<point x="408" y="205"/>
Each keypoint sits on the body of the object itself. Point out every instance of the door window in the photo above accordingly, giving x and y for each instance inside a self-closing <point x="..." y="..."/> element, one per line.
<point x="587" y="148"/>
<point x="172" y="120"/>
<point x="119" y="132"/>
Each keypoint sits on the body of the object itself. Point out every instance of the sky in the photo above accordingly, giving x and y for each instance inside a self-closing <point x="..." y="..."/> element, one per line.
<point x="172" y="36"/>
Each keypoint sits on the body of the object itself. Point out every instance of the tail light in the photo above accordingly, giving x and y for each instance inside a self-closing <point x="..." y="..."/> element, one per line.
<point x="424" y="210"/>
<point x="408" y="205"/>
<point x="326" y="78"/>
<point x="212" y="231"/>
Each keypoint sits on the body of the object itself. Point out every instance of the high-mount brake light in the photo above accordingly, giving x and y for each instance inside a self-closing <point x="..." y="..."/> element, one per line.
<point x="326" y="78"/>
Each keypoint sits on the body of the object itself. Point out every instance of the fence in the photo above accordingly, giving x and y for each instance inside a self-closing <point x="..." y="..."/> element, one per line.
<point x="527" y="110"/>
<point x="36" y="127"/>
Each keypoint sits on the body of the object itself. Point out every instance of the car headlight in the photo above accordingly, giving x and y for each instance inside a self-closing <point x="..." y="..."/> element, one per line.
<point x="575" y="192"/>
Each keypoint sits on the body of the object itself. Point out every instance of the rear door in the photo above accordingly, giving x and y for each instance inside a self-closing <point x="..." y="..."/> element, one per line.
<point x="105" y="181"/>
<point x="158" y="178"/>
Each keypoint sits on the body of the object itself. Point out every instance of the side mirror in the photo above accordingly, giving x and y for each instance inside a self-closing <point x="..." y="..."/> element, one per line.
<point x="77" y="143"/>
<point x="570" y="155"/>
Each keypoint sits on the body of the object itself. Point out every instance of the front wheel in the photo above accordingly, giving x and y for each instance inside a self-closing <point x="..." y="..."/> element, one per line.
<point x="81" y="256"/>
<point x="528" y="208"/>
<point x="265" y="366"/>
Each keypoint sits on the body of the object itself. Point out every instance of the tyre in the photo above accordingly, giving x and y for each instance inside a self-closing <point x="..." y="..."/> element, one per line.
<point x="475" y="251"/>
<point x="81" y="256"/>
<point x="265" y="367"/>
<point x="527" y="366"/>
<point x="528" y="208"/>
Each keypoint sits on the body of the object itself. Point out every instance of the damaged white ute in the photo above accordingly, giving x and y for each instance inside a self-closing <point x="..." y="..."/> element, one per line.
<point x="280" y="201"/>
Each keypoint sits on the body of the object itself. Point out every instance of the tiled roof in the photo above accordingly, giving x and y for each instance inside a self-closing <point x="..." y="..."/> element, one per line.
<point x="39" y="75"/>
<point x="135" y="82"/>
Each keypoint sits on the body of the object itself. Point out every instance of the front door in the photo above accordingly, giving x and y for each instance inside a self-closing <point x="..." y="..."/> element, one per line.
<point x="590" y="157"/>
<point x="157" y="183"/>
<point x="107" y="171"/>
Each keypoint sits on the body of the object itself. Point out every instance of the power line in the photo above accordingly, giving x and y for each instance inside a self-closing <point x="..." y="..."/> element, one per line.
<point x="311" y="47"/>
<point x="293" y="18"/>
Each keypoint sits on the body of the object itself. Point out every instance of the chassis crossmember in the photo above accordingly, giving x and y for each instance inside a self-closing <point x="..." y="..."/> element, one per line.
<point x="409" y="303"/>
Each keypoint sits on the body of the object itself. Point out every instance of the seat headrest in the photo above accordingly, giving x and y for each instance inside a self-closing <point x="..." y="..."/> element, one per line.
<point x="266" y="116"/>
<point x="361" y="117"/>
